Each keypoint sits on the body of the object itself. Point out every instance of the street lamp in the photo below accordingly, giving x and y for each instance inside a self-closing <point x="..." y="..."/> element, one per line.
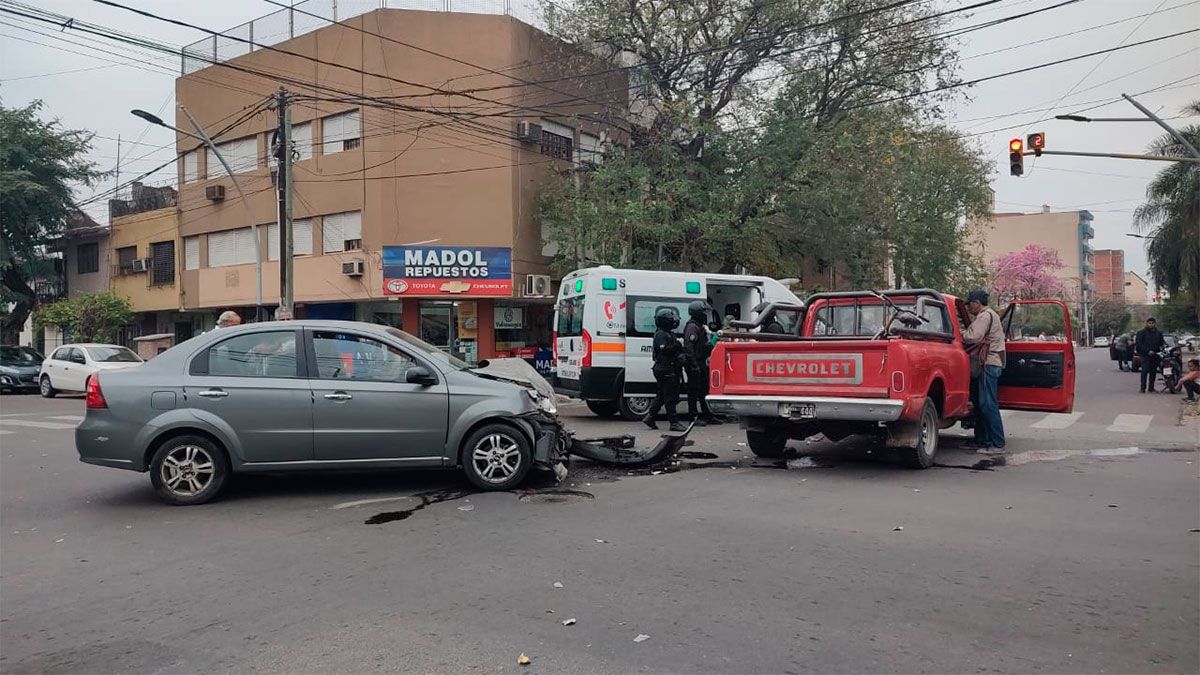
<point x="204" y="138"/>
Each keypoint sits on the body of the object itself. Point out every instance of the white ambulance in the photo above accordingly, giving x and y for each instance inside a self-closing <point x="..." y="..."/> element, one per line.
<point x="604" y="324"/>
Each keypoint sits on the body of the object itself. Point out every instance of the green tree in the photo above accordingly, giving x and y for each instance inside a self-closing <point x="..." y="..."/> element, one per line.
<point x="89" y="317"/>
<point x="1110" y="317"/>
<point x="1171" y="216"/>
<point x="40" y="162"/>
<point x="764" y="146"/>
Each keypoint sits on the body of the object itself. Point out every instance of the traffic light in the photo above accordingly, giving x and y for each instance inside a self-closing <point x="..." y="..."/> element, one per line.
<point x="1036" y="142"/>
<point x="1016" y="157"/>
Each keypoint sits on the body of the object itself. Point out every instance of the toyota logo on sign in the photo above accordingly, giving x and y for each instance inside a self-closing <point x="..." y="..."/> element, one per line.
<point x="397" y="286"/>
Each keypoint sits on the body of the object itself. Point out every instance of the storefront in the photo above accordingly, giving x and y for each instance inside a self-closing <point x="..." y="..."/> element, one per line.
<point x="460" y="299"/>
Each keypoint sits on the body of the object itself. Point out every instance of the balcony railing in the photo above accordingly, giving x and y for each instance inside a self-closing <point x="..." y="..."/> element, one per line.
<point x="305" y="17"/>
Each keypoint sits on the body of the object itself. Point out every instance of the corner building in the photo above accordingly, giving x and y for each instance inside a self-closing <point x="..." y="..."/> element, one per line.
<point x="414" y="204"/>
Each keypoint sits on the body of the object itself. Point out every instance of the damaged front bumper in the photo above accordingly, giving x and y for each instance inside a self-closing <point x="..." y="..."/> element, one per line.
<point x="554" y="445"/>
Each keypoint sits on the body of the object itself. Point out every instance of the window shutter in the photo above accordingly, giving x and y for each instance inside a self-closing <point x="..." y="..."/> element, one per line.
<point x="336" y="130"/>
<point x="302" y="237"/>
<point x="221" y="249"/>
<point x="338" y="228"/>
<point x="191" y="253"/>
<point x="191" y="166"/>
<point x="273" y="241"/>
<point x="302" y="140"/>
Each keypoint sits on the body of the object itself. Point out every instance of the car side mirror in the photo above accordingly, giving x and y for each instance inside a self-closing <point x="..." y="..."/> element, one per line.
<point x="420" y="375"/>
<point x="79" y="359"/>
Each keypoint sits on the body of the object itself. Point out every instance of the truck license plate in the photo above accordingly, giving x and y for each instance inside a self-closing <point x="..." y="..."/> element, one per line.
<point x="801" y="411"/>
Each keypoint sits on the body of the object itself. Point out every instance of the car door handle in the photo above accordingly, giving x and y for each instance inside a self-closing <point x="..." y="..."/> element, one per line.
<point x="1041" y="362"/>
<point x="213" y="393"/>
<point x="339" y="396"/>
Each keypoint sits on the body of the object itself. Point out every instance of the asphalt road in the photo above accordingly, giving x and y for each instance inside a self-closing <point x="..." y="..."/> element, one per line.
<point x="1080" y="554"/>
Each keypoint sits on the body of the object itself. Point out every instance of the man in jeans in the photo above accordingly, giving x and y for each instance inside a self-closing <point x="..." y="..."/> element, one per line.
<point x="987" y="332"/>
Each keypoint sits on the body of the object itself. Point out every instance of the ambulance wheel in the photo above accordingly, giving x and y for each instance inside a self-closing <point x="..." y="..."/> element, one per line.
<point x="634" y="408"/>
<point x="604" y="408"/>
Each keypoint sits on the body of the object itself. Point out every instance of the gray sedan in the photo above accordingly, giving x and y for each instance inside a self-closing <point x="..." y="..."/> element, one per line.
<point x="292" y="395"/>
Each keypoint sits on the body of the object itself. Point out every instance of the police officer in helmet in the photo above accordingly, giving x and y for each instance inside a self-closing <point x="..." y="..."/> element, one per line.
<point x="696" y="349"/>
<point x="667" y="365"/>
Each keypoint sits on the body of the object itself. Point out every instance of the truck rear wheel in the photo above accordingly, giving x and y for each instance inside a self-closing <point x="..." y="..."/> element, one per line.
<point x="634" y="408"/>
<point x="921" y="457"/>
<point x="769" y="444"/>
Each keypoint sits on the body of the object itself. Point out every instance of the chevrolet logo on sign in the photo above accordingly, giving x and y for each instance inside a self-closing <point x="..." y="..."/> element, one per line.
<point x="804" y="368"/>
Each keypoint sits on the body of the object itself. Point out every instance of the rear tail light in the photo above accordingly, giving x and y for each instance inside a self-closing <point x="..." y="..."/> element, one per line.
<point x="586" y="361"/>
<point x="714" y="381"/>
<point x="897" y="380"/>
<point x="554" y="345"/>
<point x="95" y="397"/>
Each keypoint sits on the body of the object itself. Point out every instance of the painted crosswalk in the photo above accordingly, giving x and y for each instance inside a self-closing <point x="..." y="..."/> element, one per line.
<point x="1057" y="421"/>
<point x="1131" y="424"/>
<point x="33" y="424"/>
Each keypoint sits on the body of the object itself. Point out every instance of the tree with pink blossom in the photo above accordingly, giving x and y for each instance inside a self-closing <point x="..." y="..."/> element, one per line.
<point x="1028" y="273"/>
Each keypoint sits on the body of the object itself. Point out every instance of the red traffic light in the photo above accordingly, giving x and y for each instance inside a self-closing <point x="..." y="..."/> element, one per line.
<point x="1016" y="158"/>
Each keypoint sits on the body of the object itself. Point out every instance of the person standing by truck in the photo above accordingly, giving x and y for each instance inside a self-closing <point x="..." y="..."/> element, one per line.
<point x="696" y="349"/>
<point x="1147" y="344"/>
<point x="667" y="353"/>
<point x="987" y="333"/>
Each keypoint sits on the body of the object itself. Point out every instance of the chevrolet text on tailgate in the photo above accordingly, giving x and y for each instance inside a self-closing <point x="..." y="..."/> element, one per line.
<point x="891" y="365"/>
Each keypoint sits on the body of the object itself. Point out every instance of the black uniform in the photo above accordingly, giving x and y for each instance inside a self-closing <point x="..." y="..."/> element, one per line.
<point x="696" y="350"/>
<point x="1147" y="343"/>
<point x="667" y="355"/>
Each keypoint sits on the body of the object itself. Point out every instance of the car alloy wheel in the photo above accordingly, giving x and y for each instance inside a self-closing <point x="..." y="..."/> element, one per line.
<point x="187" y="470"/>
<point x="496" y="457"/>
<point x="45" y="388"/>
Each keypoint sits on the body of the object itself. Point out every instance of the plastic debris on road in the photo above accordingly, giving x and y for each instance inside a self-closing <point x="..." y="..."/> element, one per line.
<point x="801" y="463"/>
<point x="558" y="584"/>
<point x="523" y="660"/>
<point x="898" y="528"/>
<point x="641" y="638"/>
<point x="569" y="622"/>
<point x="467" y="507"/>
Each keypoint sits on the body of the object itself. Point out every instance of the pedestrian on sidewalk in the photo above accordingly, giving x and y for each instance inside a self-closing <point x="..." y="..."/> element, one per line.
<point x="1147" y="343"/>
<point x="1191" y="380"/>
<point x="985" y="338"/>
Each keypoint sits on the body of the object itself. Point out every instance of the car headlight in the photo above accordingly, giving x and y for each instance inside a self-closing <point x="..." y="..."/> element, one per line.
<point x="544" y="403"/>
<point x="5" y="379"/>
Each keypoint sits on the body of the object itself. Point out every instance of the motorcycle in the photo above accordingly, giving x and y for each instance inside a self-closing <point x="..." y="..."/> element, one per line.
<point x="1170" y="366"/>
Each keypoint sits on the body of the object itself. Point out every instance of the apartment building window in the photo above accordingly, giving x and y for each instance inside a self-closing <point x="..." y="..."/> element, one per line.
<point x="558" y="141"/>
<point x="341" y="132"/>
<point x="301" y="239"/>
<point x="241" y="153"/>
<point x="87" y="258"/>
<point x="191" y="253"/>
<point x="302" y="146"/>
<point x="590" y="150"/>
<point x="125" y="257"/>
<point x="191" y="166"/>
<point x="162" y="263"/>
<point x="341" y="232"/>
<point x="231" y="247"/>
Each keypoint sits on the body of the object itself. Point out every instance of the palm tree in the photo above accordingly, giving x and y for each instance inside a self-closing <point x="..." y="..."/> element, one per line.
<point x="1171" y="215"/>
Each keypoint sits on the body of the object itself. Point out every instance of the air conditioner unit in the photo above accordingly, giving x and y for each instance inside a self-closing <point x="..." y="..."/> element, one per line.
<point x="537" y="286"/>
<point x="352" y="268"/>
<point x="140" y="265"/>
<point x="215" y="192"/>
<point x="529" y="132"/>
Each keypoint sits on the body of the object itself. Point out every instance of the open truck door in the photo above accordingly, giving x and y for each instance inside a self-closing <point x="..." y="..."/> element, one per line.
<point x="1040" y="369"/>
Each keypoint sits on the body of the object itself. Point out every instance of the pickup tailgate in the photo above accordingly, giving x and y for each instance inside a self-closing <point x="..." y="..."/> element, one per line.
<point x="822" y="368"/>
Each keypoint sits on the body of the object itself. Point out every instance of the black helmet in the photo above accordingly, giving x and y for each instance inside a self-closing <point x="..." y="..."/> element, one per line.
<point x="666" y="318"/>
<point x="698" y="310"/>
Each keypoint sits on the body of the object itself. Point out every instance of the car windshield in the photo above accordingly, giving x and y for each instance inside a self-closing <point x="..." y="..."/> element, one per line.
<point x="113" y="355"/>
<point x="20" y="356"/>
<point x="429" y="350"/>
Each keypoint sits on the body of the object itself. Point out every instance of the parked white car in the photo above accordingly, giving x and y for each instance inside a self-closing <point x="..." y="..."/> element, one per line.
<point x="69" y="367"/>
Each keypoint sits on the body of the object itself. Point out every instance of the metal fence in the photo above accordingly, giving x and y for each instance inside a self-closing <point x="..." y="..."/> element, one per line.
<point x="309" y="15"/>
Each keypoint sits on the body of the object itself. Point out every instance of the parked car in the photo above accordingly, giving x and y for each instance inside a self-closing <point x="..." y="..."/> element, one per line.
<point x="70" y="366"/>
<point x="1189" y="342"/>
<point x="282" y="396"/>
<point x="19" y="368"/>
<point x="890" y="365"/>
<point x="1100" y="341"/>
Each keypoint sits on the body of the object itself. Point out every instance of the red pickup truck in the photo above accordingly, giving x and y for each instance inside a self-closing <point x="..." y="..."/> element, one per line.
<point x="891" y="364"/>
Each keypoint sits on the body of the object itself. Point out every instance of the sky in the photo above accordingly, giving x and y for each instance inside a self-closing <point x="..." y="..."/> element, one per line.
<point x="92" y="84"/>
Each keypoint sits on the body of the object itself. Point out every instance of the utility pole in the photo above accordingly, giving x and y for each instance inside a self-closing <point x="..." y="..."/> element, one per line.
<point x="283" y="153"/>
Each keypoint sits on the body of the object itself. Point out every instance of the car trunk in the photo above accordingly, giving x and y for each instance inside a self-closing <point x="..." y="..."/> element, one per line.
<point x="831" y="368"/>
